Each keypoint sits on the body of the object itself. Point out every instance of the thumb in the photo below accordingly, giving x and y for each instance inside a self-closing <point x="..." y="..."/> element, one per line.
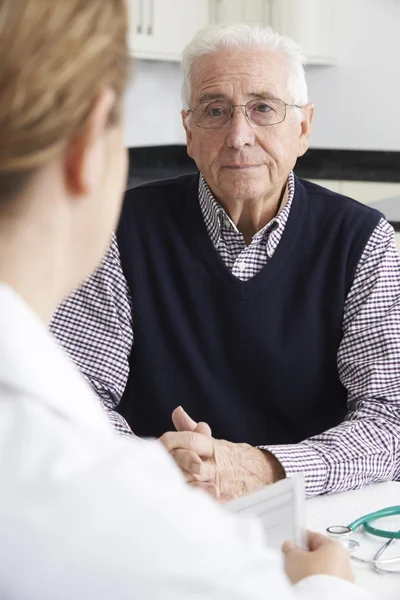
<point x="289" y="546"/>
<point x="183" y="422"/>
<point x="204" y="429"/>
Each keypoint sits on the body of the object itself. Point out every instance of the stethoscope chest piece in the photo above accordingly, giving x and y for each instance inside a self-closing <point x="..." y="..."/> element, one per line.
<point x="342" y="533"/>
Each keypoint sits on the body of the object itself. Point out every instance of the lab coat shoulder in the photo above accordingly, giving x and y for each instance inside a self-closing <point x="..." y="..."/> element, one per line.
<point x="83" y="515"/>
<point x="101" y="517"/>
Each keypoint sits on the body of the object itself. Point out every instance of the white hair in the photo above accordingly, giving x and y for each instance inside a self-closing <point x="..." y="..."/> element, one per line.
<point x="220" y="37"/>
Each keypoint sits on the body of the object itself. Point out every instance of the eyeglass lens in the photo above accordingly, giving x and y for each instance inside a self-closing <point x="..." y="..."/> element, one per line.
<point x="217" y="114"/>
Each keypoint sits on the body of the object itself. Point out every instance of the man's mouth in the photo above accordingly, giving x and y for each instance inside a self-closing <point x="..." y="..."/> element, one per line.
<point x="238" y="167"/>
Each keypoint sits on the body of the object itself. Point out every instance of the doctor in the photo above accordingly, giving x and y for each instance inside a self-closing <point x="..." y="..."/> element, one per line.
<point x="85" y="514"/>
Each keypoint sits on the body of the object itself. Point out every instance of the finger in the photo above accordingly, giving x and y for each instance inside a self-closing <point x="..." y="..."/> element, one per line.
<point x="210" y="488"/>
<point x="288" y="546"/>
<point x="187" y="460"/>
<point x="188" y="477"/>
<point x="188" y="440"/>
<point x="316" y="540"/>
<point x="225" y="498"/>
<point x="193" y="465"/>
<point x="203" y="428"/>
<point x="207" y="471"/>
<point x="182" y="421"/>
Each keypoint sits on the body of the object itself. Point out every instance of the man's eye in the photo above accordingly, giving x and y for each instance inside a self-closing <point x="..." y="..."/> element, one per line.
<point x="262" y="107"/>
<point x="215" y="111"/>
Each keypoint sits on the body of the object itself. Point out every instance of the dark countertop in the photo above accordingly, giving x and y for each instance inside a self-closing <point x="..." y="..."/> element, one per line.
<point x="143" y="175"/>
<point x="162" y="162"/>
<point x="351" y="165"/>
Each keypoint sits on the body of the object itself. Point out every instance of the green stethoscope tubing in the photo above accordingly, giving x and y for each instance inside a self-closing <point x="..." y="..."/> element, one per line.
<point x="379" y="514"/>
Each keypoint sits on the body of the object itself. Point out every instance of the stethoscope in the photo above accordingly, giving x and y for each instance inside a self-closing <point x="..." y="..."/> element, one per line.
<point x="342" y="532"/>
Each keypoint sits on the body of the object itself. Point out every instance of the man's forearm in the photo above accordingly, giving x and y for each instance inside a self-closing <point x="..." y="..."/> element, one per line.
<point x="349" y="456"/>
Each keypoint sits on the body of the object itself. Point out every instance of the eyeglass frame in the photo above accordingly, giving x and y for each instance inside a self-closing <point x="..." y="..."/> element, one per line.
<point x="286" y="105"/>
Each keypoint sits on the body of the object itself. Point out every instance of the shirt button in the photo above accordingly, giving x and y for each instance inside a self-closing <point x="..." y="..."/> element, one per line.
<point x="242" y="266"/>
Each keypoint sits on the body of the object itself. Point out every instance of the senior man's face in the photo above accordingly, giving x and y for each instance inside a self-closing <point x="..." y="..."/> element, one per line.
<point x="243" y="161"/>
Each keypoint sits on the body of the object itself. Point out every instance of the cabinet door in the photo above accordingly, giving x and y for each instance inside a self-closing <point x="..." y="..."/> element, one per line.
<point x="243" y="11"/>
<point x="160" y="29"/>
<point x="228" y="10"/>
<point x="312" y="23"/>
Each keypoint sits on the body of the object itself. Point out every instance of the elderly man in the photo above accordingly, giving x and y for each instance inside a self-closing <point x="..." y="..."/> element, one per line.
<point x="266" y="306"/>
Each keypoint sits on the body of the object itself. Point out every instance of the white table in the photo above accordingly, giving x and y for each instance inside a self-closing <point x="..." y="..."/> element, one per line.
<point x="341" y="509"/>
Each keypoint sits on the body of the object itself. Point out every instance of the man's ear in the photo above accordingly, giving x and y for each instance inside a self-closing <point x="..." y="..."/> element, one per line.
<point x="85" y="151"/>
<point x="186" y="124"/>
<point x="305" y="128"/>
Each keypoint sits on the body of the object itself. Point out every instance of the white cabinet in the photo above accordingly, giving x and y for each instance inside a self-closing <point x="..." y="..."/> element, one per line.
<point x="312" y="24"/>
<point x="160" y="29"/>
<point x="244" y="11"/>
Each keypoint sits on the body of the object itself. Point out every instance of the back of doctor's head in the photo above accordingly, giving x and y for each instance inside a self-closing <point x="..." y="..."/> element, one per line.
<point x="55" y="58"/>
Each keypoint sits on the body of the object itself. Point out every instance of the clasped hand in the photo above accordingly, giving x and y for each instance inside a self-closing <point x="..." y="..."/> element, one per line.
<point x="226" y="470"/>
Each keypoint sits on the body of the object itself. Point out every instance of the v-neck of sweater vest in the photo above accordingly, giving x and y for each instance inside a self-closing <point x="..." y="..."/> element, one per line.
<point x="200" y="239"/>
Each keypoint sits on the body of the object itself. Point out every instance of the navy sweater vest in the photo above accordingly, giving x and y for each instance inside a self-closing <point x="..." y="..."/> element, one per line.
<point x="257" y="359"/>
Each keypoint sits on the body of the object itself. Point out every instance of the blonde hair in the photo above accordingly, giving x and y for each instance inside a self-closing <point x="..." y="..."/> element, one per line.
<point x="56" y="57"/>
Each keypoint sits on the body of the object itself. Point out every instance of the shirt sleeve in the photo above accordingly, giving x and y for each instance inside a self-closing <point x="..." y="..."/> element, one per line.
<point x="327" y="587"/>
<point x="365" y="448"/>
<point x="94" y="326"/>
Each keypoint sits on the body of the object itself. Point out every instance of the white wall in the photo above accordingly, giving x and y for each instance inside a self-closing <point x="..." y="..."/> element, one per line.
<point x="153" y="105"/>
<point x="357" y="101"/>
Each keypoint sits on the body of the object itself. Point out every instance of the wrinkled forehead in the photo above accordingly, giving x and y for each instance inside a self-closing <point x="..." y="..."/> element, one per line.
<point x="239" y="73"/>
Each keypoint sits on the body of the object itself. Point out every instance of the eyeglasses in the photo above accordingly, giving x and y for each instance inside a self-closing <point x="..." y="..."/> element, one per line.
<point x="218" y="113"/>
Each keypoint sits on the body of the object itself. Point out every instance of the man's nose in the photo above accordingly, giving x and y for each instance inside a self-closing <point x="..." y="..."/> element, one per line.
<point x="240" y="130"/>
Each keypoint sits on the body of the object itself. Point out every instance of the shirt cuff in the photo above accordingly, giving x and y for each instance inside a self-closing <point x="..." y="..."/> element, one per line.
<point x="327" y="587"/>
<point x="302" y="458"/>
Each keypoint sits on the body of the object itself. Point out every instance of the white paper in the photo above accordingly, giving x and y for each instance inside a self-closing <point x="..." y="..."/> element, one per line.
<point x="281" y="509"/>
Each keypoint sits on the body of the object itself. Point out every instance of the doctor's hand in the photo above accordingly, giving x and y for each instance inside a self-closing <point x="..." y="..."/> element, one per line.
<point x="224" y="469"/>
<point x="324" y="557"/>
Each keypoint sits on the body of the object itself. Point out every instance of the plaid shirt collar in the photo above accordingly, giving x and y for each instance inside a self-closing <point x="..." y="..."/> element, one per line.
<point x="215" y="216"/>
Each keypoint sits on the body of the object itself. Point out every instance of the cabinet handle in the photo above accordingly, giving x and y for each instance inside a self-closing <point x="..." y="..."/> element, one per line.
<point x="150" y="28"/>
<point x="139" y="28"/>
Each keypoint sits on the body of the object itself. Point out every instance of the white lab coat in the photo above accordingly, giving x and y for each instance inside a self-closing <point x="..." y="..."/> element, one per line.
<point x="85" y="514"/>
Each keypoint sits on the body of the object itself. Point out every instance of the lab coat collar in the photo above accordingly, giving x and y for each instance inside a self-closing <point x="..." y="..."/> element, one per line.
<point x="32" y="363"/>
